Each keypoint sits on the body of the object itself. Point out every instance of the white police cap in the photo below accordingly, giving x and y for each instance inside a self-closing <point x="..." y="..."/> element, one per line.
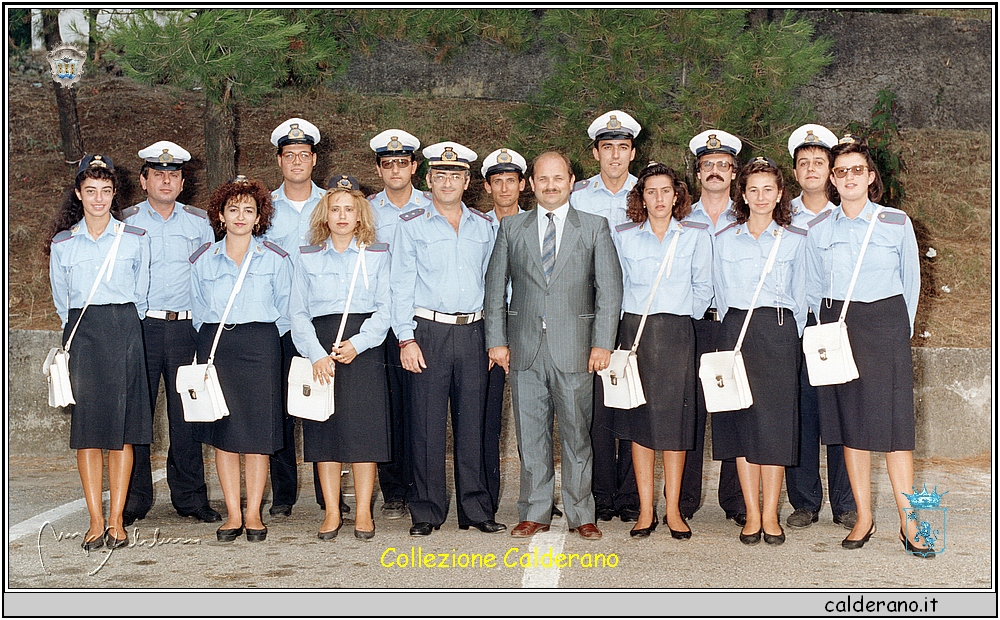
<point x="811" y="135"/>
<point x="504" y="160"/>
<point x="715" y="141"/>
<point x="295" y="131"/>
<point x="614" y="125"/>
<point x="449" y="154"/>
<point x="394" y="142"/>
<point x="164" y="155"/>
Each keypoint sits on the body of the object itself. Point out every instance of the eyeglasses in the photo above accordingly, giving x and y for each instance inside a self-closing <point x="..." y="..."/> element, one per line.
<point x="841" y="171"/>
<point x="399" y="162"/>
<point x="291" y="156"/>
<point x="722" y="165"/>
<point x="454" y="177"/>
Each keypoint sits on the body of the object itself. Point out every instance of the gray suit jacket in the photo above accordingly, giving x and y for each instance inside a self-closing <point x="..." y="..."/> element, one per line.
<point x="581" y="303"/>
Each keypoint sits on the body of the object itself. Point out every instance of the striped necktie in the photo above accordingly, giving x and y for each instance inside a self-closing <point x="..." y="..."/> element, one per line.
<point x="549" y="246"/>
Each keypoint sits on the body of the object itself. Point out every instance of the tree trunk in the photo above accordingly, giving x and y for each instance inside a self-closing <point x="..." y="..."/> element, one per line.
<point x="92" y="34"/>
<point x="220" y="143"/>
<point x="69" y="123"/>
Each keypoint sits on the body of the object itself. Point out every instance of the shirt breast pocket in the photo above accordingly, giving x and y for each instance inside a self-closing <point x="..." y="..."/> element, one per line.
<point x="740" y="271"/>
<point x="641" y="271"/>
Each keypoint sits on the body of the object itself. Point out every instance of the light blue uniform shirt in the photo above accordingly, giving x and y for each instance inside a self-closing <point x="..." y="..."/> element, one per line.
<point x="698" y="214"/>
<point x="387" y="214"/>
<point x="802" y="217"/>
<point x="76" y="258"/>
<point x="320" y="286"/>
<point x="435" y="268"/>
<point x="740" y="260"/>
<point x="688" y="290"/>
<point x="591" y="196"/>
<point x="290" y="228"/>
<point x="171" y="243"/>
<point x="891" y="266"/>
<point x="263" y="298"/>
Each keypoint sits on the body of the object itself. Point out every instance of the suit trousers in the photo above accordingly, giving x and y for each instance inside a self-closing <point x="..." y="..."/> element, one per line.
<point x="491" y="432"/>
<point x="707" y="335"/>
<point x="456" y="374"/>
<point x="395" y="477"/>
<point x="805" y="489"/>
<point x="168" y="345"/>
<point x="538" y="392"/>
<point x="614" y="478"/>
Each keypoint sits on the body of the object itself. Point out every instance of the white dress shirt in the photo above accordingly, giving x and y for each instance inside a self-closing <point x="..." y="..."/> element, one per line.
<point x="543" y="222"/>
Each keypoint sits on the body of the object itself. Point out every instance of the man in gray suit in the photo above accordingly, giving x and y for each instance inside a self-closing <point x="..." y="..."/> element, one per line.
<point x="560" y="327"/>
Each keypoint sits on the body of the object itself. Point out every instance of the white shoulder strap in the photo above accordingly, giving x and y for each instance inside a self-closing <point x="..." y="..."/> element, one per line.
<point x="668" y="264"/>
<point x="229" y="304"/>
<point x="105" y="266"/>
<point x="359" y="264"/>
<point x="857" y="267"/>
<point x="767" y="269"/>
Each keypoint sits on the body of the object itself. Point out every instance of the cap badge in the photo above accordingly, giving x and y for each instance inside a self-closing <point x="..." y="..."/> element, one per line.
<point x="165" y="157"/>
<point x="97" y="162"/>
<point x="504" y="157"/>
<point x="449" y="154"/>
<point x="849" y="139"/>
<point x="240" y="179"/>
<point x="394" y="144"/>
<point x="713" y="142"/>
<point x="344" y="182"/>
<point x="294" y="133"/>
<point x="614" y="123"/>
<point x="810" y="137"/>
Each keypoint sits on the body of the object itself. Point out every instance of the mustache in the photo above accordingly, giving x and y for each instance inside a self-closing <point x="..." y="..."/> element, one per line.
<point x="715" y="176"/>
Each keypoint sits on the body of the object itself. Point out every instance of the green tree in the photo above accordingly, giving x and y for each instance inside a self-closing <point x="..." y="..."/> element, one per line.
<point x="236" y="56"/>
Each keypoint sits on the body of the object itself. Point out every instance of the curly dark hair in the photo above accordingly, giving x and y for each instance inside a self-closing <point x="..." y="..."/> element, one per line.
<point x="782" y="213"/>
<point x="845" y="148"/>
<point x="636" y="206"/>
<point x="234" y="190"/>
<point x="71" y="209"/>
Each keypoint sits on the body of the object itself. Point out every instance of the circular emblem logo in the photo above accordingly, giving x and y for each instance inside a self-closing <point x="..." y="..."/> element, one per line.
<point x="449" y="155"/>
<point x="165" y="157"/>
<point x="295" y="133"/>
<point x="504" y="157"/>
<point x="713" y="142"/>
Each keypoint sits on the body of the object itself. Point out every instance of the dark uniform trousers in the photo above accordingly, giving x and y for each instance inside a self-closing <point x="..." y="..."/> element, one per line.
<point x="284" y="468"/>
<point x="706" y="335"/>
<point x="168" y="345"/>
<point x="614" y="484"/>
<point x="805" y="489"/>
<point x="395" y="478"/>
<point x="456" y="372"/>
<point x="491" y="432"/>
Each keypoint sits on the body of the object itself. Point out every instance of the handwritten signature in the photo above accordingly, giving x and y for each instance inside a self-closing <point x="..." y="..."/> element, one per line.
<point x="134" y="541"/>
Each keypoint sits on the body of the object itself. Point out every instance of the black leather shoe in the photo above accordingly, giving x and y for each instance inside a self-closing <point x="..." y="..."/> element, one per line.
<point x="644" y="532"/>
<point x="911" y="548"/>
<point x="114" y="543"/>
<point x="257" y="535"/>
<point x="556" y="512"/>
<point x="364" y="534"/>
<point x="205" y="513"/>
<point x="488" y="526"/>
<point x="801" y="518"/>
<point x="394" y="509"/>
<point x="423" y="529"/>
<point x="678" y="534"/>
<point x="775" y="540"/>
<point x="848" y="519"/>
<point x="330" y="535"/>
<point x="281" y="510"/>
<point x="92" y="545"/>
<point x="228" y="535"/>
<point x="628" y="515"/>
<point x="847" y="543"/>
<point x="604" y="514"/>
<point x="128" y="518"/>
<point x="751" y="539"/>
<point x="740" y="519"/>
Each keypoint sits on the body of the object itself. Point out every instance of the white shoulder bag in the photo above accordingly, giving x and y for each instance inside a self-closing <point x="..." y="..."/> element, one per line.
<point x="829" y="358"/>
<point x="308" y="398"/>
<point x="622" y="386"/>
<point x="198" y="384"/>
<point x="723" y="374"/>
<point x="56" y="365"/>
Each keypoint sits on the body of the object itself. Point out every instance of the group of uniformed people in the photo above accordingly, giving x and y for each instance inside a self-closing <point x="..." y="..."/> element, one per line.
<point x="559" y="286"/>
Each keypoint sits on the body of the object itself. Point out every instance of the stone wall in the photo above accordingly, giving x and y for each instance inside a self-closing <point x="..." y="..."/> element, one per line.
<point x="953" y="396"/>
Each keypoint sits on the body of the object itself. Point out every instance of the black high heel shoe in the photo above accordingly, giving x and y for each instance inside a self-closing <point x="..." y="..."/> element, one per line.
<point x="644" y="532"/>
<point x="847" y="543"/>
<point x="913" y="549"/>
<point x="678" y="534"/>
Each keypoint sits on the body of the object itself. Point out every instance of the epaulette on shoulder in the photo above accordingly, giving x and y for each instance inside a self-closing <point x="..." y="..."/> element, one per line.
<point x="310" y="249"/>
<point x="731" y="225"/>
<point x="129" y="212"/>
<point x="485" y="216"/>
<point x="819" y="218"/>
<point x="796" y="230"/>
<point x="274" y="194"/>
<point x="196" y="211"/>
<point x="199" y="252"/>
<point x="892" y="217"/>
<point x="427" y="195"/>
<point x="626" y="226"/>
<point x="62" y="236"/>
<point x="369" y="198"/>
<point x="409" y="215"/>
<point x="135" y="230"/>
<point x="378" y="247"/>
<point x="694" y="224"/>
<point x="581" y="184"/>
<point x="274" y="247"/>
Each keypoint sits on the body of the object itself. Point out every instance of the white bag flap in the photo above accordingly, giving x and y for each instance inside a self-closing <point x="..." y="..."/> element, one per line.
<point x="307" y="398"/>
<point x="819" y="339"/>
<point x="616" y="367"/>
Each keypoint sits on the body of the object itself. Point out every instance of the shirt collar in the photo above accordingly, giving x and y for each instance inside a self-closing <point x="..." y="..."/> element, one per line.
<point x="630" y="182"/>
<point x="353" y="245"/>
<point x="315" y="194"/>
<point x="152" y="212"/>
<point x="81" y="228"/>
<point x="560" y="212"/>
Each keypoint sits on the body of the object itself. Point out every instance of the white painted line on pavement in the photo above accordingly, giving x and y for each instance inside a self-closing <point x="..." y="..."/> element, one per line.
<point x="30" y="527"/>
<point x="541" y="545"/>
